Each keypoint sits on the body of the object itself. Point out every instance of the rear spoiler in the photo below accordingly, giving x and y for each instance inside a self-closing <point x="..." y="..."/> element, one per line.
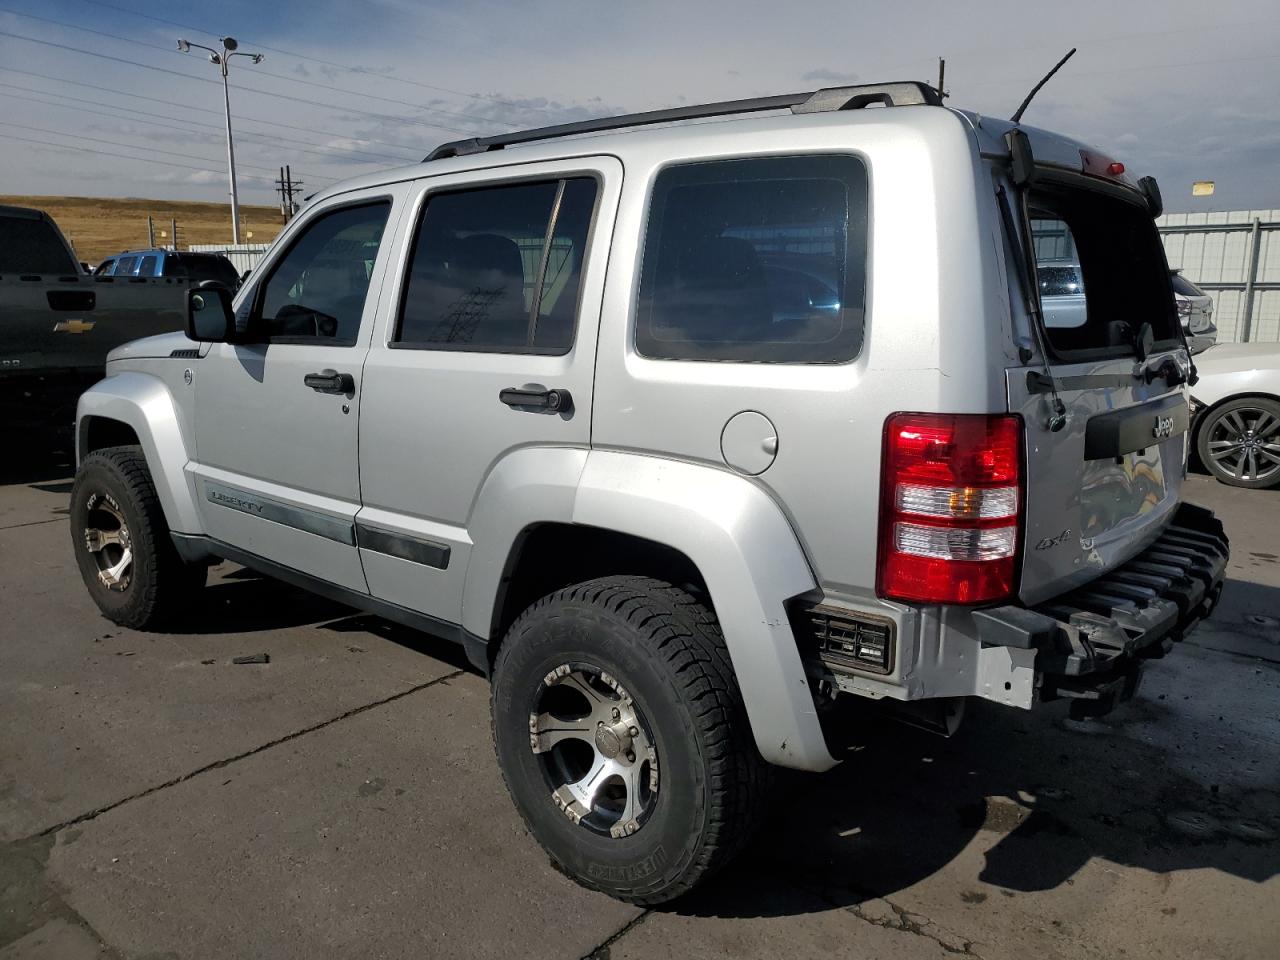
<point x="1094" y="165"/>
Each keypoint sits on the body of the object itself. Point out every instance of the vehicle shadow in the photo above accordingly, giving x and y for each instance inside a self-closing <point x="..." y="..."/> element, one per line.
<point x="239" y="600"/>
<point x="34" y="455"/>
<point x="1037" y="795"/>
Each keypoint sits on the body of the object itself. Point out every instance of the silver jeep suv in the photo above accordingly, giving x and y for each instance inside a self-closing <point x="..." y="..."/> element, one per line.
<point x="688" y="425"/>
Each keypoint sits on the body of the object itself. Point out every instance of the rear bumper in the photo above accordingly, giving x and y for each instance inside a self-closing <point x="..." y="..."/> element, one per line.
<point x="1090" y="644"/>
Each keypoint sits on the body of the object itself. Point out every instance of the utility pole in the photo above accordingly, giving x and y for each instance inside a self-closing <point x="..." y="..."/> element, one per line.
<point x="151" y="232"/>
<point x="173" y="235"/>
<point x="286" y="186"/>
<point x="221" y="59"/>
<point x="942" y="78"/>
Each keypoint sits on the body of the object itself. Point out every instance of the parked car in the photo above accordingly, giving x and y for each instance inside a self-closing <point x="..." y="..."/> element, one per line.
<point x="676" y="502"/>
<point x="1061" y="293"/>
<point x="1236" y="413"/>
<point x="1195" y="311"/>
<point x="196" y="267"/>
<point x="57" y="323"/>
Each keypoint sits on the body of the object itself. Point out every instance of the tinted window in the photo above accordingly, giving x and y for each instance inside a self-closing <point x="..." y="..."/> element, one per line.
<point x="32" y="246"/>
<point x="205" y="266"/>
<point x="1185" y="287"/>
<point x="104" y="268"/>
<point x="756" y="260"/>
<point x="317" y="290"/>
<point x="125" y="266"/>
<point x="148" y="267"/>
<point x="499" y="268"/>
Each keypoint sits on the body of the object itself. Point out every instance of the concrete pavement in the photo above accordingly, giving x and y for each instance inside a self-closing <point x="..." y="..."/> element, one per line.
<point x="158" y="801"/>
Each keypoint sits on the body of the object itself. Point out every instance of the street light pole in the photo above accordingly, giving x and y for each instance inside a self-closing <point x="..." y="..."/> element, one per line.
<point x="221" y="59"/>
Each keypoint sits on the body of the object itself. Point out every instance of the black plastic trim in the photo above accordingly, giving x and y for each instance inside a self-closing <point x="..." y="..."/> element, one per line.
<point x="1114" y="434"/>
<point x="429" y="553"/>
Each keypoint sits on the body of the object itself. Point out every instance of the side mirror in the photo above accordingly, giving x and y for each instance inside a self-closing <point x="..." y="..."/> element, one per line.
<point x="210" y="318"/>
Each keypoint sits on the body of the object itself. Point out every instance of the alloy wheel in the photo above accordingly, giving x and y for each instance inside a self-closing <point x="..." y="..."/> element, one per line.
<point x="595" y="749"/>
<point x="1245" y="444"/>
<point x="107" y="538"/>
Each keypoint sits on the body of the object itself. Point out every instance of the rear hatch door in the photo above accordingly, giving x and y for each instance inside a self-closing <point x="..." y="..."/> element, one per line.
<point x="1102" y="486"/>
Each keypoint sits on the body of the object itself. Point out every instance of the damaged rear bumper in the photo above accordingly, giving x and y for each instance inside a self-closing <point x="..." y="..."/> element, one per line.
<point x="1090" y="644"/>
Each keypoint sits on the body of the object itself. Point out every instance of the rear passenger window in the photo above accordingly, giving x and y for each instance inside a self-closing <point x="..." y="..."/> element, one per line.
<point x="498" y="268"/>
<point x="148" y="267"/>
<point x="125" y="266"/>
<point x="760" y="260"/>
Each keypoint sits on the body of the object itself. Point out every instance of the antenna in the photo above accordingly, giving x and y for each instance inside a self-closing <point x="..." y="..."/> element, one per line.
<point x="942" y="77"/>
<point x="1017" y="117"/>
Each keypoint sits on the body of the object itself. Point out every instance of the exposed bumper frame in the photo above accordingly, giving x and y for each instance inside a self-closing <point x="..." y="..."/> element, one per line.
<point x="1090" y="643"/>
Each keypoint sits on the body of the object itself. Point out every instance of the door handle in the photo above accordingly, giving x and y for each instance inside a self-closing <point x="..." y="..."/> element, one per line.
<point x="536" y="398"/>
<point x="330" y="381"/>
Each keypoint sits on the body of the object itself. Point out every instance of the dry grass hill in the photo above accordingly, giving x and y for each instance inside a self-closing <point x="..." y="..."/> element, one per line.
<point x="98" y="228"/>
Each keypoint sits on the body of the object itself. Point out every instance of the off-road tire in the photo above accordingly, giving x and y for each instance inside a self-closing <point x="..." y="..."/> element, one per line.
<point x="665" y="647"/>
<point x="1229" y="423"/>
<point x="161" y="586"/>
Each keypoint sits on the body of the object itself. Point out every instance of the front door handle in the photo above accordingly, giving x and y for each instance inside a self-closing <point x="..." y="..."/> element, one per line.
<point x="330" y="381"/>
<point x="536" y="398"/>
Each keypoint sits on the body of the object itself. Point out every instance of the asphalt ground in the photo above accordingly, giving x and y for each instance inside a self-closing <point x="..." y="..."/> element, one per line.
<point x="159" y="801"/>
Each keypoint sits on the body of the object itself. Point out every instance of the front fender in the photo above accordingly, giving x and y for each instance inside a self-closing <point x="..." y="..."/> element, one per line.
<point x="145" y="404"/>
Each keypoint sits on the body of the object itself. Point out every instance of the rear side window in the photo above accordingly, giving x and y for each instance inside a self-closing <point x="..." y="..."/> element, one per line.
<point x="498" y="269"/>
<point x="32" y="246"/>
<point x="205" y="266"/>
<point x="758" y="260"/>
<point x="1101" y="272"/>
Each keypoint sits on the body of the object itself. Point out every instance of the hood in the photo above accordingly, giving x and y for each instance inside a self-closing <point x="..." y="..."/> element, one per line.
<point x="1237" y="357"/>
<point x="161" y="345"/>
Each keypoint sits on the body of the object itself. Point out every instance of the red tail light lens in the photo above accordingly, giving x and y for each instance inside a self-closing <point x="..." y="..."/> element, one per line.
<point x="950" y="507"/>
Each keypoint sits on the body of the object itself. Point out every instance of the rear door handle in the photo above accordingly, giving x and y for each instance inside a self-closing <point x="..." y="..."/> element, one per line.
<point x="330" y="381"/>
<point x="536" y="398"/>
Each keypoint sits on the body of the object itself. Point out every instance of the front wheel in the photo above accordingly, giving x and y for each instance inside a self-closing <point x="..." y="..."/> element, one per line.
<point x="122" y="545"/>
<point x="622" y="737"/>
<point x="1239" y="443"/>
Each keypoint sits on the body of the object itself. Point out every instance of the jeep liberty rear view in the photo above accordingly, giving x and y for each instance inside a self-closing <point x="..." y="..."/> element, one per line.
<point x="688" y="431"/>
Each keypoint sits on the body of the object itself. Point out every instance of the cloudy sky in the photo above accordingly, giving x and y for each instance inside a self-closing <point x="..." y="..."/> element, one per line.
<point x="95" y="99"/>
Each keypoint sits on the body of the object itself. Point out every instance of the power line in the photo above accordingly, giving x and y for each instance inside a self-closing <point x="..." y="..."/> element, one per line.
<point x="169" y="103"/>
<point x="259" y="138"/>
<point x="127" y="146"/>
<point x="268" y="93"/>
<point x="483" y="98"/>
<point x="108" y="153"/>
<point x="265" y="73"/>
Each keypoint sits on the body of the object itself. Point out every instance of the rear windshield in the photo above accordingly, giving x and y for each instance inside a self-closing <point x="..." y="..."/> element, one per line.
<point x="1101" y="271"/>
<point x="33" y="246"/>
<point x="1185" y="287"/>
<point x="202" y="266"/>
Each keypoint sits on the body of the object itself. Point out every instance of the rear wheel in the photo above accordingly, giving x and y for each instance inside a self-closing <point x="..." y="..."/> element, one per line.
<point x="121" y="542"/>
<point x="1239" y="442"/>
<point x="622" y="737"/>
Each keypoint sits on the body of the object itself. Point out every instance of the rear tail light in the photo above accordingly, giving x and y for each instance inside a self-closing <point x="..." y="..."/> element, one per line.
<point x="1184" y="308"/>
<point x="950" y="507"/>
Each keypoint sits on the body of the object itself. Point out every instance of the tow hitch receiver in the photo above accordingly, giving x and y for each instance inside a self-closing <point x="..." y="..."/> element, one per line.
<point x="1091" y="643"/>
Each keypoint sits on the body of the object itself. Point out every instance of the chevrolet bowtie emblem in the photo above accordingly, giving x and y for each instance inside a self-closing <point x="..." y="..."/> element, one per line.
<point x="73" y="326"/>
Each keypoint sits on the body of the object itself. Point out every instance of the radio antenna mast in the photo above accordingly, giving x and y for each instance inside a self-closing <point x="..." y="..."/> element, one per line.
<point x="1017" y="117"/>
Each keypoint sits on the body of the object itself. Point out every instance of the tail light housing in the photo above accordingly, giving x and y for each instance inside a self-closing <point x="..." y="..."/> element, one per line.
<point x="951" y="505"/>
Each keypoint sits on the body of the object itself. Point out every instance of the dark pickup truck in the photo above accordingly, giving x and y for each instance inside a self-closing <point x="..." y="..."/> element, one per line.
<point x="57" y="322"/>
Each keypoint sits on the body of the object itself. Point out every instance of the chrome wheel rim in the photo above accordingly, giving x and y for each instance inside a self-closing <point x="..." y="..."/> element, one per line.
<point x="595" y="749"/>
<point x="1245" y="444"/>
<point x="107" y="538"/>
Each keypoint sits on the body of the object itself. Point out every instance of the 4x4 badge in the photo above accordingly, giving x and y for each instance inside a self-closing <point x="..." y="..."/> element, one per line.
<point x="1048" y="542"/>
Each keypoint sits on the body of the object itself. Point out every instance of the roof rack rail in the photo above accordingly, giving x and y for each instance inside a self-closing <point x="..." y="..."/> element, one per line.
<point x="905" y="93"/>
